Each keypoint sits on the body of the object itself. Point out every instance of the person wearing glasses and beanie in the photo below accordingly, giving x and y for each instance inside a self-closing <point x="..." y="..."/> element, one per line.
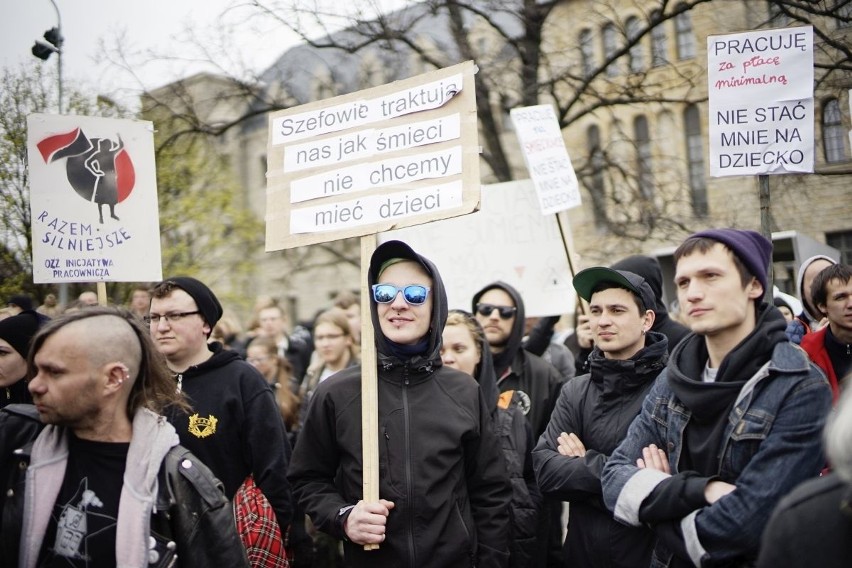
<point x="443" y="488"/>
<point x="234" y="425"/>
<point x="532" y="384"/>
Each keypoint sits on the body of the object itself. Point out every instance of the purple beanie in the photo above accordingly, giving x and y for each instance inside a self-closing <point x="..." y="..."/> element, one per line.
<point x="753" y="249"/>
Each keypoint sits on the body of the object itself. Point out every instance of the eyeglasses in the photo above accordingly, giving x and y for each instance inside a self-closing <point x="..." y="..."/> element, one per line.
<point x="254" y="360"/>
<point x="414" y="294"/>
<point x="506" y="312"/>
<point x="171" y="318"/>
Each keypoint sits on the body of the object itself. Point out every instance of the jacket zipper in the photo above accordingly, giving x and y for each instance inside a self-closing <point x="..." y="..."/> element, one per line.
<point x="412" y="557"/>
<point x="179" y="377"/>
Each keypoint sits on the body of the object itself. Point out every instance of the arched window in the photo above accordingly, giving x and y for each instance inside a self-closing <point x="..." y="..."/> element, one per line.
<point x="695" y="160"/>
<point x="595" y="181"/>
<point x="833" y="133"/>
<point x="587" y="53"/>
<point x="637" y="52"/>
<point x="685" y="35"/>
<point x="610" y="45"/>
<point x="659" y="42"/>
<point x="644" y="166"/>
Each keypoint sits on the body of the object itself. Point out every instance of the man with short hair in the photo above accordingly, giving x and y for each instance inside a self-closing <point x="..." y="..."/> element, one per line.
<point x="273" y="324"/>
<point x="593" y="413"/>
<point x="105" y="483"/>
<point x="831" y="347"/>
<point x="731" y="425"/>
<point x="234" y="426"/>
<point x="140" y="301"/>
<point x="87" y="299"/>
<point x="809" y="320"/>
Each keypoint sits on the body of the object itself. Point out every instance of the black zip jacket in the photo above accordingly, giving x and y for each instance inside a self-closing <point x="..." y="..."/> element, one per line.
<point x="439" y="459"/>
<point x="598" y="407"/>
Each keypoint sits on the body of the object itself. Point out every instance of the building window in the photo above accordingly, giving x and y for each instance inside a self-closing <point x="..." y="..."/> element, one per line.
<point x="587" y="53"/>
<point x="610" y="45"/>
<point x="685" y="35"/>
<point x="777" y="17"/>
<point x="659" y="43"/>
<point x="644" y="167"/>
<point x="695" y="161"/>
<point x="637" y="53"/>
<point x="843" y="243"/>
<point x="833" y="133"/>
<point x="595" y="181"/>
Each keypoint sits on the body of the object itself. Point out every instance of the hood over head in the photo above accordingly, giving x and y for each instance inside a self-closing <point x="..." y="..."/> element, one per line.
<point x="800" y="281"/>
<point x="504" y="359"/>
<point x="391" y="250"/>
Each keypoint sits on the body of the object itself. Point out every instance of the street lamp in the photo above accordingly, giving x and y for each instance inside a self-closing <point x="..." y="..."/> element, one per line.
<point x="42" y="49"/>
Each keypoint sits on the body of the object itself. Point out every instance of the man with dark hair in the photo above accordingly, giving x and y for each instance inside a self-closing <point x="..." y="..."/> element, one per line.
<point x="831" y="347"/>
<point x="593" y="413"/>
<point x="731" y="425"/>
<point x="105" y="483"/>
<point x="234" y="425"/>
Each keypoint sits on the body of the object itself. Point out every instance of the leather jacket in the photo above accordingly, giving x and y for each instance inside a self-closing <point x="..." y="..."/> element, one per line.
<point x="191" y="523"/>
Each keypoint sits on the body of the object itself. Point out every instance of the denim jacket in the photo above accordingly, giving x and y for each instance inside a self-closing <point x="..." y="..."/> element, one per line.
<point x="772" y="442"/>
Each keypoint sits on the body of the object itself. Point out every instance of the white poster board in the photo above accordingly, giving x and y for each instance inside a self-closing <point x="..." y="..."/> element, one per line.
<point x="392" y="156"/>
<point x="93" y="199"/>
<point x="508" y="240"/>
<point x="547" y="158"/>
<point x="761" y="102"/>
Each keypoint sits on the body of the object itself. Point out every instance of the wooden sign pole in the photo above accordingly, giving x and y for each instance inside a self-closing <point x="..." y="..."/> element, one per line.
<point x="102" y="295"/>
<point x="369" y="384"/>
<point x="567" y="242"/>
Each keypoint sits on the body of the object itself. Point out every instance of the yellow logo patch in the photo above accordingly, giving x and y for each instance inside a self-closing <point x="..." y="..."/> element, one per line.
<point x="201" y="427"/>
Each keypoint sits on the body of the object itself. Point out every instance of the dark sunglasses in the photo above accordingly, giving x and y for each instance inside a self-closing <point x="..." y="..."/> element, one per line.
<point x="506" y="312"/>
<point x="414" y="294"/>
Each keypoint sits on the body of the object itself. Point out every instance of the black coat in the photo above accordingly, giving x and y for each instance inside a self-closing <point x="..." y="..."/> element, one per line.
<point x="598" y="408"/>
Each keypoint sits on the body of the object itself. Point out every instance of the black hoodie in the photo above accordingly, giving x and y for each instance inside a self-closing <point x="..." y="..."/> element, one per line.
<point x="536" y="381"/>
<point x="439" y="460"/>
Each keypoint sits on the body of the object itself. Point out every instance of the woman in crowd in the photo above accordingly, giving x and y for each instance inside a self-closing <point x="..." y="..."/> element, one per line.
<point x="334" y="349"/>
<point x="466" y="349"/>
<point x="15" y="335"/>
<point x="263" y="355"/>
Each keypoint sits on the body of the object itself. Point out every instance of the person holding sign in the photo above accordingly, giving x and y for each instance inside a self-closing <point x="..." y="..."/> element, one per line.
<point x="442" y="481"/>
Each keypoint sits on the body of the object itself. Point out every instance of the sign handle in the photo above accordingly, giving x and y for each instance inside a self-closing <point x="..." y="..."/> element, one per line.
<point x="565" y="233"/>
<point x="766" y="223"/>
<point x="102" y="295"/>
<point x="369" y="384"/>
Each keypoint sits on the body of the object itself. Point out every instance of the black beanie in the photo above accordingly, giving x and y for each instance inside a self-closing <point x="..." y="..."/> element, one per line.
<point x="753" y="249"/>
<point x="205" y="299"/>
<point x="18" y="330"/>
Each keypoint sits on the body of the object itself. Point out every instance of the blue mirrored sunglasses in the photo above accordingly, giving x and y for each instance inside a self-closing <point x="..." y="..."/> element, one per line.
<point x="414" y="294"/>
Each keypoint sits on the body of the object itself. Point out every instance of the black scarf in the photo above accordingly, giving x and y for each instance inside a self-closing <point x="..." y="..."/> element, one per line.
<point x="711" y="403"/>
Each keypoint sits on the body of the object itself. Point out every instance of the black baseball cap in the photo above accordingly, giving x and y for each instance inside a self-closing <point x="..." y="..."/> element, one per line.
<point x="586" y="280"/>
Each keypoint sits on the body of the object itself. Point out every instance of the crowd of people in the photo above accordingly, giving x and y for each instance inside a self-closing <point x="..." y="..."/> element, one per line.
<point x="160" y="433"/>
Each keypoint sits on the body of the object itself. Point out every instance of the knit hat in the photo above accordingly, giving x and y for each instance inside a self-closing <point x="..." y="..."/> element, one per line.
<point x="586" y="280"/>
<point x="205" y="299"/>
<point x="22" y="301"/>
<point x="753" y="249"/>
<point x="18" y="330"/>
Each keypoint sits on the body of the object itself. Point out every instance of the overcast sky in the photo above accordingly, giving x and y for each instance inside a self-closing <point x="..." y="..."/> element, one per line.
<point x="142" y="25"/>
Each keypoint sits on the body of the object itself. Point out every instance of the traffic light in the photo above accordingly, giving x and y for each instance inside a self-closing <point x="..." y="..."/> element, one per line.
<point x="43" y="50"/>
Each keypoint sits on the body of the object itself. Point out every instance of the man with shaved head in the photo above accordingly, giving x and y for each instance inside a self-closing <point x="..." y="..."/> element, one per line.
<point x="106" y="482"/>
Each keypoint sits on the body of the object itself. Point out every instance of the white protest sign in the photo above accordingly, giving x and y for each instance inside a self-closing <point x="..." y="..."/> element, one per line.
<point x="546" y="157"/>
<point x="506" y="240"/>
<point x="401" y="154"/>
<point x="93" y="198"/>
<point x="761" y="102"/>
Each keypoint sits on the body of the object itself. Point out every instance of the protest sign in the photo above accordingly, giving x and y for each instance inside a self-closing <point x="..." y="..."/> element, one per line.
<point x="761" y="102"/>
<point x="546" y="157"/>
<point x="392" y="156"/>
<point x="93" y="200"/>
<point x="506" y="240"/>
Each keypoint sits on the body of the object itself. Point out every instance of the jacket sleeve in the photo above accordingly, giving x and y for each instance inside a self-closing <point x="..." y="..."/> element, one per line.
<point x="202" y="518"/>
<point x="625" y="486"/>
<point x="489" y="492"/>
<point x="266" y="448"/>
<point x="790" y="453"/>
<point x="314" y="466"/>
<point x="568" y="478"/>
